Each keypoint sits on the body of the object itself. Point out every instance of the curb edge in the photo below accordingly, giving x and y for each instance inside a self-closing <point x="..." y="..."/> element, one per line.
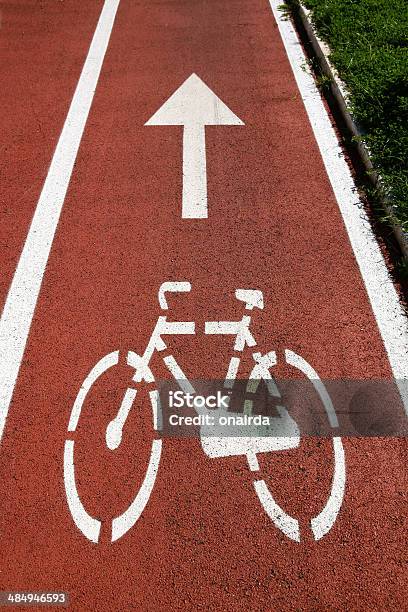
<point x="339" y="92"/>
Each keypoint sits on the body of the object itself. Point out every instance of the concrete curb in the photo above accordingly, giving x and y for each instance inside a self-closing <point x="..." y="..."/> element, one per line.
<point x="340" y="94"/>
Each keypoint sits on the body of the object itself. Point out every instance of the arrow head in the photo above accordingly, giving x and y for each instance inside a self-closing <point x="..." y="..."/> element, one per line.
<point x="194" y="103"/>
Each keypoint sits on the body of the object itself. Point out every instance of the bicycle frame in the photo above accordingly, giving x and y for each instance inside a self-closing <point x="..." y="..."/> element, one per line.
<point x="252" y="298"/>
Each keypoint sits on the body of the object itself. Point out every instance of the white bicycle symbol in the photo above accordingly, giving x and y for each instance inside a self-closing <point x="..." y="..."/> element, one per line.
<point x="287" y="432"/>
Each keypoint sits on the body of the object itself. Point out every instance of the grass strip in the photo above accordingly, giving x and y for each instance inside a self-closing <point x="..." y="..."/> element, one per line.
<point x="368" y="42"/>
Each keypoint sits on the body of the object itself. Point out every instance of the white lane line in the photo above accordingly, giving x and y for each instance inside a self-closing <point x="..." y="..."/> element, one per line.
<point x="22" y="297"/>
<point x="391" y="319"/>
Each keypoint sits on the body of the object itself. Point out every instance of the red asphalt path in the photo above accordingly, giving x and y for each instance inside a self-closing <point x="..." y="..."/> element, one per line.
<point x="203" y="541"/>
<point x="42" y="49"/>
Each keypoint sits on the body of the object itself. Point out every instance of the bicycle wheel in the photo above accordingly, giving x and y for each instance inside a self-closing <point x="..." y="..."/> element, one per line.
<point x="87" y="524"/>
<point x="324" y="521"/>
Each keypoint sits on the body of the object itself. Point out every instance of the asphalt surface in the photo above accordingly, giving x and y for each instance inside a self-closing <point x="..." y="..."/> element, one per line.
<point x="203" y="540"/>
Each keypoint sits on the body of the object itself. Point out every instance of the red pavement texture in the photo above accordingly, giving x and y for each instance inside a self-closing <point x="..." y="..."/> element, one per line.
<point x="203" y="541"/>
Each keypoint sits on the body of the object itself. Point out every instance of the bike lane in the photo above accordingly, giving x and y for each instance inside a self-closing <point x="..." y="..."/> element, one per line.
<point x="42" y="46"/>
<point x="273" y="224"/>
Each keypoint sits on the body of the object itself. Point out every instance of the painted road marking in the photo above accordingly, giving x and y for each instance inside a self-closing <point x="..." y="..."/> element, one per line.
<point x="281" y="232"/>
<point x="283" y="432"/>
<point x="324" y="521"/>
<point x="23" y="294"/>
<point x="287" y="524"/>
<point x="194" y="105"/>
<point x="386" y="306"/>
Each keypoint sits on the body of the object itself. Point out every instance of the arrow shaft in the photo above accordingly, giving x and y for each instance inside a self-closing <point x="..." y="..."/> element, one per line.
<point x="194" y="173"/>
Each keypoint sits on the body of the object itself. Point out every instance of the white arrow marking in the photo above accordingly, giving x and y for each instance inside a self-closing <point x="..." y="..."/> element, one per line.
<point x="194" y="106"/>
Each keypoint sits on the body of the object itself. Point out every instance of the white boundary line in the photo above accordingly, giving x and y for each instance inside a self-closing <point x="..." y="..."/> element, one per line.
<point x="25" y="287"/>
<point x="387" y="309"/>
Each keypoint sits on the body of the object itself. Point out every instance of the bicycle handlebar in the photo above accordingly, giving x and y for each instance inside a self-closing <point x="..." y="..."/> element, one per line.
<point x="253" y="298"/>
<point x="174" y="287"/>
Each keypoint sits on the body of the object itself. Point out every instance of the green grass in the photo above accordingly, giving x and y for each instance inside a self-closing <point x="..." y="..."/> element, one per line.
<point x="369" y="47"/>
